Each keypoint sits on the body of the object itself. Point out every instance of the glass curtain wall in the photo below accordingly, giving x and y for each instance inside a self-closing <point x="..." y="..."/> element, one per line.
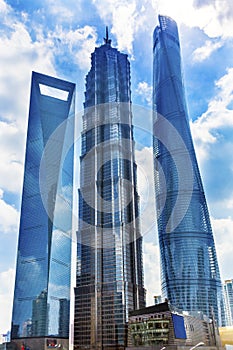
<point x="109" y="263"/>
<point x="42" y="285"/>
<point x="189" y="267"/>
<point x="228" y="298"/>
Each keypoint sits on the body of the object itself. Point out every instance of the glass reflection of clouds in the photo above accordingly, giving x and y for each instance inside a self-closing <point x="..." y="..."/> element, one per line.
<point x="42" y="288"/>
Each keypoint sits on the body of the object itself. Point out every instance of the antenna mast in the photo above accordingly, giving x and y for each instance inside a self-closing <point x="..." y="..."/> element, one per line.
<point x="107" y="40"/>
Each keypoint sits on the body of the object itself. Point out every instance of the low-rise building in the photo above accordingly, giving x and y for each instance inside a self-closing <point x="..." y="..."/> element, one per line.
<point x="163" y="325"/>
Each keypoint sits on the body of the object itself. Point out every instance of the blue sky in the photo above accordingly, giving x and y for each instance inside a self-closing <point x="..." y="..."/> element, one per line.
<point x="56" y="37"/>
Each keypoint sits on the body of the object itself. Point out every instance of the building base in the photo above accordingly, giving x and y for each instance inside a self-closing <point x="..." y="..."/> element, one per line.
<point x="41" y="343"/>
<point x="174" y="347"/>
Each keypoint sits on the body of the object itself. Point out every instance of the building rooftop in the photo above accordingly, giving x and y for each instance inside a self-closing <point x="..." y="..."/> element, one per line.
<point x="150" y="309"/>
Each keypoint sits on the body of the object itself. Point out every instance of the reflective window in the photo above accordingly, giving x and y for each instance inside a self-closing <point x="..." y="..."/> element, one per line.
<point x="42" y="287"/>
<point x="190" y="273"/>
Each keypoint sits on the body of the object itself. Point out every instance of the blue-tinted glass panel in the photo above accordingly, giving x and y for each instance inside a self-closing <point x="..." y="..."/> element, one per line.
<point x="42" y="286"/>
<point x="110" y="276"/>
<point x="189" y="267"/>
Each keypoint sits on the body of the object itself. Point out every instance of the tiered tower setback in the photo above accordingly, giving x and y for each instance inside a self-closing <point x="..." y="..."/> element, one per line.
<point x="109" y="263"/>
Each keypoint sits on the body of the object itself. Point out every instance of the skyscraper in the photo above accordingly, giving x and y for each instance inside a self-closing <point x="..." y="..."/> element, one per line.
<point x="189" y="268"/>
<point x="228" y="298"/>
<point x="42" y="285"/>
<point x="109" y="257"/>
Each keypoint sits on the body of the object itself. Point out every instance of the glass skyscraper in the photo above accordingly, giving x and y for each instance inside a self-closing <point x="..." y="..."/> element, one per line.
<point x="42" y="286"/>
<point x="228" y="298"/>
<point x="189" y="269"/>
<point x="109" y="256"/>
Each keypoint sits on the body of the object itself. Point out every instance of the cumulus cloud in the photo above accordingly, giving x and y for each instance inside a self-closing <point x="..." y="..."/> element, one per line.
<point x="9" y="216"/>
<point x="145" y="90"/>
<point x="12" y="149"/>
<point x="209" y="128"/>
<point x="6" y="297"/>
<point x="201" y="3"/>
<point x="64" y="11"/>
<point x="20" y="54"/>
<point x="152" y="271"/>
<point x="80" y="43"/>
<point x="4" y="8"/>
<point x="124" y="15"/>
<point x="128" y="18"/>
<point x="144" y="159"/>
<point x="223" y="236"/>
<point x="213" y="17"/>
<point x="202" y="53"/>
<point x="132" y="20"/>
<point x="58" y="9"/>
<point x="212" y="133"/>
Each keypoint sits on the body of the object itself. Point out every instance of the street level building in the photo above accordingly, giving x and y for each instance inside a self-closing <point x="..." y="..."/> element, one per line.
<point x="189" y="268"/>
<point x="109" y="255"/>
<point x="42" y="285"/>
<point x="162" y="325"/>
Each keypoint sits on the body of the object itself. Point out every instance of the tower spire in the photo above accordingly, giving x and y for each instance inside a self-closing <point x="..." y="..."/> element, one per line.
<point x="107" y="40"/>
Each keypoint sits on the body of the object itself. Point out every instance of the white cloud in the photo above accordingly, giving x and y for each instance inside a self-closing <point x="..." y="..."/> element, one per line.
<point x="9" y="217"/>
<point x="183" y="12"/>
<point x="58" y="9"/>
<point x="145" y="90"/>
<point x="20" y="55"/>
<point x="225" y="84"/>
<point x="128" y="18"/>
<point x="152" y="271"/>
<point x="64" y="11"/>
<point x="6" y="298"/>
<point x="19" y="58"/>
<point x="122" y="16"/>
<point x="124" y="25"/>
<point x="212" y="135"/>
<point x="4" y="8"/>
<point x="144" y="159"/>
<point x="202" y="53"/>
<point x="222" y="206"/>
<point x="80" y="43"/>
<point x="223" y="234"/>
<point x="214" y="18"/>
<point x="11" y="157"/>
<point x="132" y="20"/>
<point x="210" y="126"/>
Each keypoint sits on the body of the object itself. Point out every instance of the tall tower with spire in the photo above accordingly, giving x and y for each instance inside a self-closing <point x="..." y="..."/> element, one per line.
<point x="189" y="267"/>
<point x="109" y="250"/>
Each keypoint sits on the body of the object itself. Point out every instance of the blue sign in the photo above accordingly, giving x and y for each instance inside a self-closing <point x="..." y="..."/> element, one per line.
<point x="179" y="328"/>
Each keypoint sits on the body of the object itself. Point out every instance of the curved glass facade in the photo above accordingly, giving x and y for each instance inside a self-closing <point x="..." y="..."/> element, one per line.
<point x="109" y="264"/>
<point x="42" y="285"/>
<point x="189" y="268"/>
